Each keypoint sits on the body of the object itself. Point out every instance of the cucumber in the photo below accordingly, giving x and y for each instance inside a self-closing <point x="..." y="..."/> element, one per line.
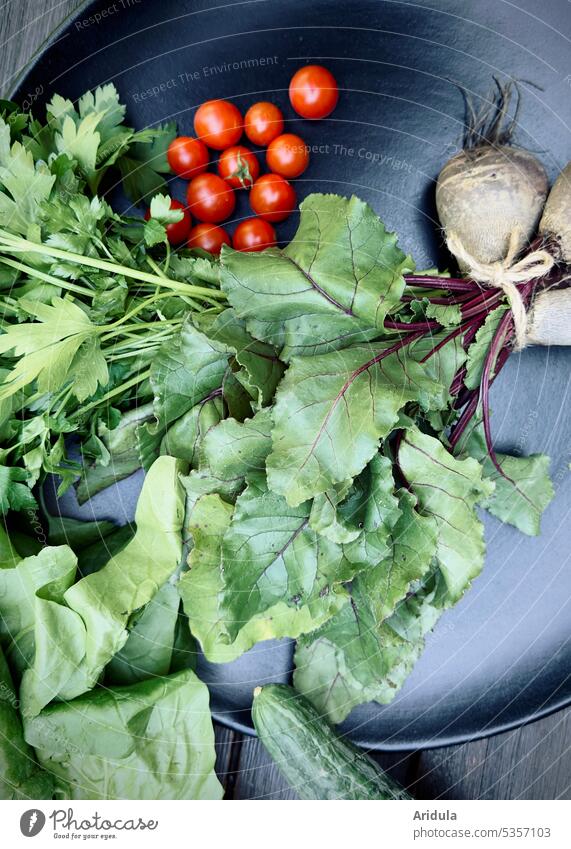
<point x="317" y="763"/>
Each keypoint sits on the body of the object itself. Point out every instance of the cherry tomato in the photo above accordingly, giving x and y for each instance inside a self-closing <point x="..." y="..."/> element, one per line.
<point x="239" y="167"/>
<point x="177" y="232"/>
<point x="218" y="123"/>
<point x="209" y="237"/>
<point x="287" y="155"/>
<point x="272" y="197"/>
<point x="253" y="234"/>
<point x="263" y="123"/>
<point x="187" y="157"/>
<point x="313" y="92"/>
<point x="210" y="198"/>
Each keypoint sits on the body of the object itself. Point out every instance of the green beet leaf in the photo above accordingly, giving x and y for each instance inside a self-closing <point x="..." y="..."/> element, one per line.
<point x="270" y="554"/>
<point x="187" y="369"/>
<point x="331" y="412"/>
<point x="339" y="277"/>
<point x="442" y="365"/>
<point x="234" y="450"/>
<point x="122" y="454"/>
<point x="203" y="590"/>
<point x="522" y="492"/>
<point x="184" y="438"/>
<point x="449" y="490"/>
<point x="480" y="346"/>
<point x="372" y="507"/>
<point x="256" y="364"/>
<point x="356" y="658"/>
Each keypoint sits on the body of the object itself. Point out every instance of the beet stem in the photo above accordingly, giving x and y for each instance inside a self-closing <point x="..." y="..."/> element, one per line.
<point x="453" y="284"/>
<point x="413" y="327"/>
<point x="467" y="414"/>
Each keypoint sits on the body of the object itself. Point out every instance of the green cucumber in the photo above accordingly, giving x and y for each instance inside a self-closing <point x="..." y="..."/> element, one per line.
<point x="317" y="763"/>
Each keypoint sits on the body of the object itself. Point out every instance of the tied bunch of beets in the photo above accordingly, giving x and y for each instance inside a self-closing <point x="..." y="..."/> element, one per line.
<point x="494" y="202"/>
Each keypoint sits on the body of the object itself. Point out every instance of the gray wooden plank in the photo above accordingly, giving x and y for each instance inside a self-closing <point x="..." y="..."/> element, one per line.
<point x="532" y="762"/>
<point x="259" y="777"/>
<point x="227" y="744"/>
<point x="451" y="773"/>
<point x="24" y="26"/>
<point x="402" y="766"/>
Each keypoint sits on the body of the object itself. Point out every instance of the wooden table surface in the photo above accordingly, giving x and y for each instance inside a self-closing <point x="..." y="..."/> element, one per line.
<point x="530" y="763"/>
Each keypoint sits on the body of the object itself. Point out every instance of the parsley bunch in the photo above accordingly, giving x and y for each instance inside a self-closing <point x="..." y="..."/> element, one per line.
<point x="87" y="296"/>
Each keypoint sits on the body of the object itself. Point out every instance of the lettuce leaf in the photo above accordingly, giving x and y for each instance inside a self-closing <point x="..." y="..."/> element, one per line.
<point x="20" y="775"/>
<point x="158" y="742"/>
<point x="150" y="646"/>
<point x="79" y="627"/>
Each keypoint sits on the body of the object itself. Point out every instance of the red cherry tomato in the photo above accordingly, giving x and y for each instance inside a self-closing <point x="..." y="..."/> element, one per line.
<point x="313" y="92"/>
<point x="177" y="232"/>
<point x="187" y="157"/>
<point x="272" y="197"/>
<point x="239" y="167"/>
<point x="209" y="237"/>
<point x="263" y="122"/>
<point x="254" y="234"/>
<point x="287" y="155"/>
<point x="210" y="198"/>
<point x="218" y="123"/>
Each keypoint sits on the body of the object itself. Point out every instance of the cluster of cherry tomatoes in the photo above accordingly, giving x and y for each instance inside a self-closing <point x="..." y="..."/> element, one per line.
<point x="210" y="197"/>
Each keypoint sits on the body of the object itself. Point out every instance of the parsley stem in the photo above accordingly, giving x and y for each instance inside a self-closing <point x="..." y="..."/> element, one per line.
<point x="63" y="401"/>
<point x="47" y="278"/>
<point x="156" y="268"/>
<point x="148" y="302"/>
<point x="125" y="355"/>
<point x="137" y="325"/>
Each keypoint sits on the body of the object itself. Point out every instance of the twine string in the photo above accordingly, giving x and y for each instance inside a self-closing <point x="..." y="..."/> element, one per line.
<point x="505" y="275"/>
